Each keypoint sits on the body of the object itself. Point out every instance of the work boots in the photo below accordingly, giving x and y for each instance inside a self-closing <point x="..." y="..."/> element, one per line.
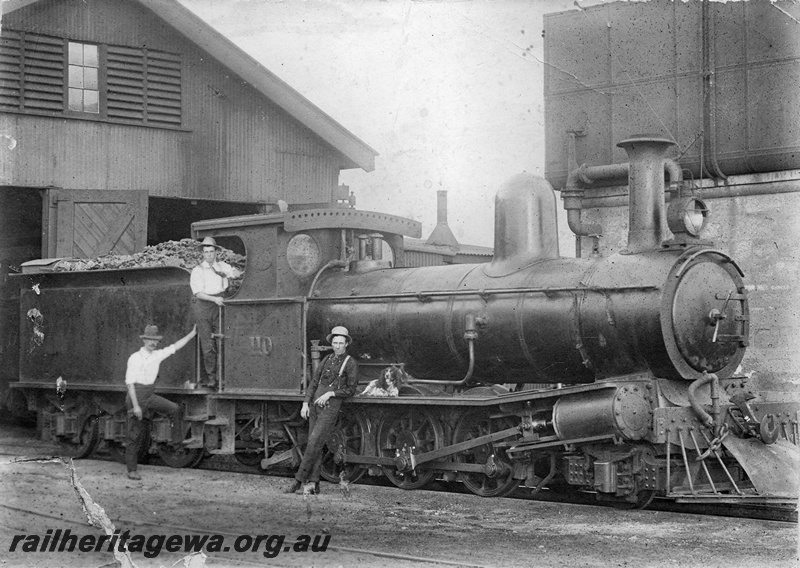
<point x="311" y="488"/>
<point x="294" y="487"/>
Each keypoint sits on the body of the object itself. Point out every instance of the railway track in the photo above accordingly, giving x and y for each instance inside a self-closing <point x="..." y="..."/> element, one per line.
<point x="784" y="514"/>
<point x="777" y="513"/>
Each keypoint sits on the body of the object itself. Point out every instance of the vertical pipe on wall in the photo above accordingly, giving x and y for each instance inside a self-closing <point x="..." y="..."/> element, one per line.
<point x="709" y="94"/>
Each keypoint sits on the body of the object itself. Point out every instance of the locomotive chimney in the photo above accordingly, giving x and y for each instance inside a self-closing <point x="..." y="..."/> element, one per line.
<point x="646" y="155"/>
<point x="525" y="227"/>
<point x="441" y="234"/>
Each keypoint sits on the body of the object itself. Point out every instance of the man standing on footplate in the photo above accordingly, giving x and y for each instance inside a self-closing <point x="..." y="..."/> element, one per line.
<point x="141" y="401"/>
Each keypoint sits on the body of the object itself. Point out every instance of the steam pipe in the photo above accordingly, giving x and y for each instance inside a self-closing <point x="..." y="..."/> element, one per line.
<point x="710" y="419"/>
<point x="575" y="198"/>
<point x="589" y="174"/>
<point x="711" y="192"/>
<point x="470" y="334"/>
<point x="467" y="378"/>
<point x="573" y="195"/>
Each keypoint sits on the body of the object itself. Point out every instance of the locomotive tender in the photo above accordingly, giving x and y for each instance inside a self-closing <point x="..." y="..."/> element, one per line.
<point x="615" y="375"/>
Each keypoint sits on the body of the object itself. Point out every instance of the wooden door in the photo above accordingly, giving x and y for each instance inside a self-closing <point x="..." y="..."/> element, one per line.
<point x="85" y="223"/>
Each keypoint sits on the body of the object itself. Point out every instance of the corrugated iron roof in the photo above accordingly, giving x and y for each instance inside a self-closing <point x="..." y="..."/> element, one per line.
<point x="475" y="250"/>
<point x="420" y="245"/>
<point x="251" y="71"/>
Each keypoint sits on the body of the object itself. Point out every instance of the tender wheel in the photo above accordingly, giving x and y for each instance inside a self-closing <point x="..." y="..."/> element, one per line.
<point x="474" y="425"/>
<point x="350" y="432"/>
<point x="249" y="458"/>
<point x="415" y="429"/>
<point x="86" y="441"/>
<point x="181" y="457"/>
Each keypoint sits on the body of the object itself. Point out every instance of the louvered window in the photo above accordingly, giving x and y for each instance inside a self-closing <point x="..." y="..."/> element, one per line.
<point x="42" y="74"/>
<point x="144" y="85"/>
<point x="31" y="72"/>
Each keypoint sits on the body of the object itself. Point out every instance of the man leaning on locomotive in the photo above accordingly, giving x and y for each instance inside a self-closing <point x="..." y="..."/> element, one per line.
<point x="335" y="379"/>
<point x="141" y="401"/>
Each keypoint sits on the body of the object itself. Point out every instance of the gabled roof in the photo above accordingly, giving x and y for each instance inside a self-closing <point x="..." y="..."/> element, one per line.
<point x="251" y="71"/>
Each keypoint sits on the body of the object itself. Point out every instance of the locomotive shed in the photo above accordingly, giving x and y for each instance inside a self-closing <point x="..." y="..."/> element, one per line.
<point x="375" y="526"/>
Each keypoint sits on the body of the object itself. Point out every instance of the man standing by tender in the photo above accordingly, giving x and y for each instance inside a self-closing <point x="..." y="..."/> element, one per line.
<point x="141" y="401"/>
<point x="209" y="281"/>
<point x="336" y="378"/>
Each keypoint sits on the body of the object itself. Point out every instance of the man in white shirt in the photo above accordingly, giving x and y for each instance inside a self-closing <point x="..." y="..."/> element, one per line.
<point x="209" y="281"/>
<point x="141" y="401"/>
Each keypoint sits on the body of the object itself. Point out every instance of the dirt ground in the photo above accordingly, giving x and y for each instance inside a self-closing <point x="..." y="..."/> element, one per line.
<point x="371" y="527"/>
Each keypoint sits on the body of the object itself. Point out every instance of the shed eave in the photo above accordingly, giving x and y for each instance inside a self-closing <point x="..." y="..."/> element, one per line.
<point x="263" y="80"/>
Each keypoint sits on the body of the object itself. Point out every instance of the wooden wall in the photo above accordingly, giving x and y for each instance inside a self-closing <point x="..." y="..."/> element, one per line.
<point x="234" y="144"/>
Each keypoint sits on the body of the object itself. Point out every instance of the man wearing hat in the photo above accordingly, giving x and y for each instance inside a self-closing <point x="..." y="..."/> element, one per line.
<point x="209" y="281"/>
<point x="335" y="379"/>
<point x="141" y="402"/>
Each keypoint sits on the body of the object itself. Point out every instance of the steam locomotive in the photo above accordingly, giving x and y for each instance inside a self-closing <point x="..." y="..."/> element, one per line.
<point x="614" y="375"/>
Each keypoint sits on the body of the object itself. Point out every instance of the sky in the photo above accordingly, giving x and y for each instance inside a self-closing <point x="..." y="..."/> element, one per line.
<point x="449" y="93"/>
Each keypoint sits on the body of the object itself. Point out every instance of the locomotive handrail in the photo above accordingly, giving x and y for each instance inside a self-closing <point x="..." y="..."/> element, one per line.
<point x="304" y="315"/>
<point x="425" y="295"/>
<point x="286" y="300"/>
<point x="724" y="255"/>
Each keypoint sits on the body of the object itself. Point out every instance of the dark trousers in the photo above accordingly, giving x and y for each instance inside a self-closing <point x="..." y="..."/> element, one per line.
<point x="150" y="403"/>
<point x="206" y="315"/>
<point x="321" y="422"/>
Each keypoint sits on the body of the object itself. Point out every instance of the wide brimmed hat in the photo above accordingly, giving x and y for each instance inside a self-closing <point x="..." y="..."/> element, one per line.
<point x="209" y="242"/>
<point x="339" y="330"/>
<point x="151" y="332"/>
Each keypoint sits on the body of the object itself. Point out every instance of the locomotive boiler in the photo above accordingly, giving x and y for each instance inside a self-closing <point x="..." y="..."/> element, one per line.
<point x="675" y="311"/>
<point x="615" y="375"/>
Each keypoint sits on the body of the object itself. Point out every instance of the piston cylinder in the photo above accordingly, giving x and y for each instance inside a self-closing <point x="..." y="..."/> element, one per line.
<point x="624" y="411"/>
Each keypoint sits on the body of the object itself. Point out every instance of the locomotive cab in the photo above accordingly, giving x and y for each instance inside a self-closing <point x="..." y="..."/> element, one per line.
<point x="265" y="324"/>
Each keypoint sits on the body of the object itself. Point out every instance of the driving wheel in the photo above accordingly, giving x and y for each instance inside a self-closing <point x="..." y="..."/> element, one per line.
<point x="349" y="434"/>
<point x="417" y="431"/>
<point x="474" y="425"/>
